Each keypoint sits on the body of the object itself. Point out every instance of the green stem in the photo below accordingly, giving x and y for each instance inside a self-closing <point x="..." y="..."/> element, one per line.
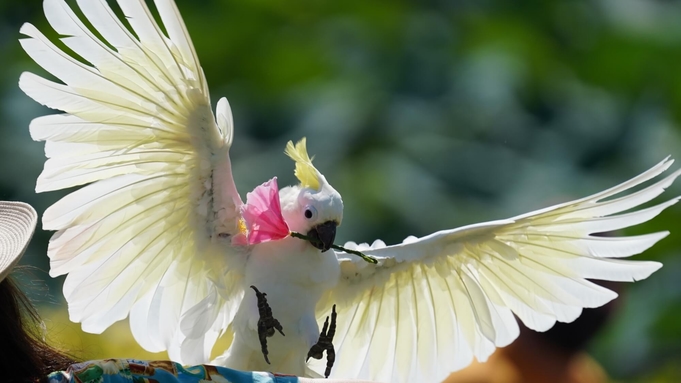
<point x="341" y="248"/>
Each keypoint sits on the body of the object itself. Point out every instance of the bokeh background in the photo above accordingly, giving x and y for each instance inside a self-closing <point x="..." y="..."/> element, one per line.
<point x="424" y="115"/>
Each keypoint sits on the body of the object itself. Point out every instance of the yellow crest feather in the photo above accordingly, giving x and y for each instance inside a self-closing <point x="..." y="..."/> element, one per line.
<point x="306" y="173"/>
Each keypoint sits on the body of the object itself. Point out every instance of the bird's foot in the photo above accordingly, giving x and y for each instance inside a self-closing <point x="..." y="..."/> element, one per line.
<point x="266" y="324"/>
<point x="325" y="343"/>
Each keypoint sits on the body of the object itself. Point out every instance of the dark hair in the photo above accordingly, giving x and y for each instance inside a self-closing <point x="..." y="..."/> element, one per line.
<point x="24" y="355"/>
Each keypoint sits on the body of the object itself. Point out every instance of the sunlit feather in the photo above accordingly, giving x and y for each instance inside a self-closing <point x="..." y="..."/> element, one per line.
<point x="138" y="238"/>
<point x="454" y="293"/>
<point x="306" y="173"/>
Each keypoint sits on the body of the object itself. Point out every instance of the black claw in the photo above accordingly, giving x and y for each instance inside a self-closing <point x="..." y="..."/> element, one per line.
<point x="266" y="324"/>
<point x="317" y="350"/>
<point x="325" y="343"/>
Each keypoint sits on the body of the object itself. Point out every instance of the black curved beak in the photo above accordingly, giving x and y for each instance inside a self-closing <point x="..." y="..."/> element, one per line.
<point x="322" y="235"/>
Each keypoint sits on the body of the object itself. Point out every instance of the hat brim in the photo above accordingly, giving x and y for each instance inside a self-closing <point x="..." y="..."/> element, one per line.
<point x="17" y="224"/>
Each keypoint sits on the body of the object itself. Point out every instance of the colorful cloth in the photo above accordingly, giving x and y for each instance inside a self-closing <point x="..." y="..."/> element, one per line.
<point x="138" y="371"/>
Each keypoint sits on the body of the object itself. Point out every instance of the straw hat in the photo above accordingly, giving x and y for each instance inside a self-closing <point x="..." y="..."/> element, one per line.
<point x="17" y="223"/>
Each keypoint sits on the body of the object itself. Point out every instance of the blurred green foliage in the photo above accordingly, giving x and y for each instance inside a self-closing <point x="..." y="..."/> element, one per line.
<point x="428" y="115"/>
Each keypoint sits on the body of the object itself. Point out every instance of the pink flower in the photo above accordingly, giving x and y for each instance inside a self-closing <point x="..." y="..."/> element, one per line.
<point x="262" y="214"/>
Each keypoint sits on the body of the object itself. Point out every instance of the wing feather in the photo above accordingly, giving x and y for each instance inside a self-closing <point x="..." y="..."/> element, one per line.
<point x="427" y="324"/>
<point x="150" y="36"/>
<point x="403" y="332"/>
<point x="452" y="295"/>
<point x="140" y="238"/>
<point x="180" y="37"/>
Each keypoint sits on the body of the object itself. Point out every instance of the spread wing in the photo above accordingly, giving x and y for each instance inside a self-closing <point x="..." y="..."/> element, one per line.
<point x="434" y="303"/>
<point x="149" y="234"/>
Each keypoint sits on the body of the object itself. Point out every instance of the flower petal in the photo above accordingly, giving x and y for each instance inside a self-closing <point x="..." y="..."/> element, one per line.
<point x="262" y="214"/>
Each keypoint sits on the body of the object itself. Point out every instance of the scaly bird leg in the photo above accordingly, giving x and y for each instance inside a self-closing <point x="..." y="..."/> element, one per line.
<point x="325" y="343"/>
<point x="266" y="324"/>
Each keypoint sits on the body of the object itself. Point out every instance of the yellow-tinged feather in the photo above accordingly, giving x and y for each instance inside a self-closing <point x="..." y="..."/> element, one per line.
<point x="306" y="173"/>
<point x="138" y="132"/>
<point x="242" y="226"/>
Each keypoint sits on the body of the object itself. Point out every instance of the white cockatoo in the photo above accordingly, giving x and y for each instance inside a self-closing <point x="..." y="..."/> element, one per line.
<point x="160" y="234"/>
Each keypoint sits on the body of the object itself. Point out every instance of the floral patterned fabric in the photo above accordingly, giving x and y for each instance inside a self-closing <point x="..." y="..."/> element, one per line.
<point x="138" y="371"/>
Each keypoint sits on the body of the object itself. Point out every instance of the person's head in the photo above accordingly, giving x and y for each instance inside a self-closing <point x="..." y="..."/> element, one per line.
<point x="24" y="355"/>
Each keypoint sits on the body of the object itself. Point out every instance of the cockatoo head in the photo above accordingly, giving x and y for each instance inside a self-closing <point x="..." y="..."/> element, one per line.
<point x="313" y="207"/>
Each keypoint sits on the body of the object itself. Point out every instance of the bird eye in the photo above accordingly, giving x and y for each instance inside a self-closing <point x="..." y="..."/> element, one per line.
<point x="310" y="212"/>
